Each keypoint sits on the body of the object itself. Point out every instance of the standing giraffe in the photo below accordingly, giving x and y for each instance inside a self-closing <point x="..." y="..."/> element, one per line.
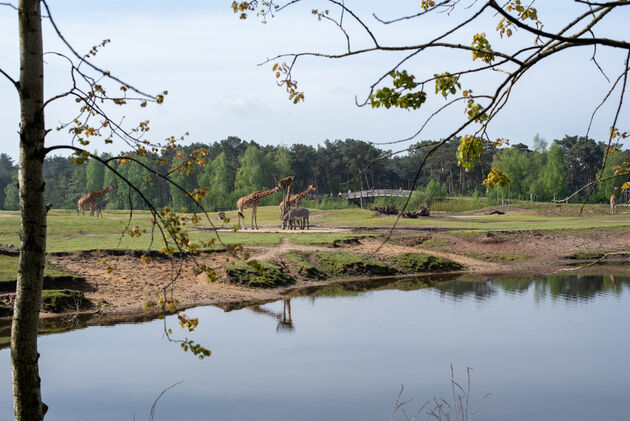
<point x="284" y="206"/>
<point x="613" y="201"/>
<point x="89" y="200"/>
<point x="295" y="200"/>
<point x="251" y="201"/>
<point x="285" y="182"/>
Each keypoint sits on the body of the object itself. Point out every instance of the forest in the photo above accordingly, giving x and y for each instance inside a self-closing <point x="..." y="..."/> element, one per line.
<point x="234" y="168"/>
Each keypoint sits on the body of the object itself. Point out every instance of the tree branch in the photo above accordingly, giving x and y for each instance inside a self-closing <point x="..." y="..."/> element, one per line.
<point x="14" y="82"/>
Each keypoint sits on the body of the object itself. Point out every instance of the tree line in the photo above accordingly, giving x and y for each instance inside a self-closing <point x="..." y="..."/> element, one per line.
<point x="234" y="168"/>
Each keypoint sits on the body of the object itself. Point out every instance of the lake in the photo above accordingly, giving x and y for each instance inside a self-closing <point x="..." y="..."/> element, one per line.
<point x="554" y="348"/>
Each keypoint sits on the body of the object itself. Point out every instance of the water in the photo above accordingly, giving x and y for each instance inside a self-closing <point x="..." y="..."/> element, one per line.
<point x="548" y="349"/>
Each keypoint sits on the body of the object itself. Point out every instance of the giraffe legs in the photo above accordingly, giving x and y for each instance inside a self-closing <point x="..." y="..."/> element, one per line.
<point x="254" y="219"/>
<point x="241" y="216"/>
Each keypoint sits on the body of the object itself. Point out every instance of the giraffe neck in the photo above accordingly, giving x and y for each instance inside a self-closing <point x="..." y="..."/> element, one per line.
<point x="260" y="194"/>
<point x="304" y="193"/>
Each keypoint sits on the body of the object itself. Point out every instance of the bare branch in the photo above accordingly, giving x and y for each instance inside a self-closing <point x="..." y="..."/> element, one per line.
<point x="15" y="83"/>
<point x="11" y="5"/>
<point x="424" y="12"/>
<point x="612" y="129"/>
<point x="87" y="62"/>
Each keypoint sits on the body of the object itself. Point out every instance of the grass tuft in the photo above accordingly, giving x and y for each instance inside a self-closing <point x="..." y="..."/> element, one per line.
<point x="256" y="274"/>
<point x="343" y="263"/>
<point x="60" y="300"/>
<point x="420" y="262"/>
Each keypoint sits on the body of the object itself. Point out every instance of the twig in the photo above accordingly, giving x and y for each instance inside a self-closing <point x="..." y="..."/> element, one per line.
<point x="152" y="413"/>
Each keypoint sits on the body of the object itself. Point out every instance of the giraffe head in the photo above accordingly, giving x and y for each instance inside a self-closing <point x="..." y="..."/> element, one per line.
<point x="110" y="188"/>
<point x="286" y="182"/>
<point x="311" y="188"/>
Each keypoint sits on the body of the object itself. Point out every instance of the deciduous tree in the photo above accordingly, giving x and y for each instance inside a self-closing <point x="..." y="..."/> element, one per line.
<point x="411" y="80"/>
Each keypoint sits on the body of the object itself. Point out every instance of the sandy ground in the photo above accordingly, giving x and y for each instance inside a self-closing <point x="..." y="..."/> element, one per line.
<point x="122" y="283"/>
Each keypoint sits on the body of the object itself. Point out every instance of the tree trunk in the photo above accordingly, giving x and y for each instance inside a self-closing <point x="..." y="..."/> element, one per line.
<point x="27" y="401"/>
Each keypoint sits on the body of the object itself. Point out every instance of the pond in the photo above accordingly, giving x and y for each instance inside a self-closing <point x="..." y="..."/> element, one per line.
<point x="554" y="348"/>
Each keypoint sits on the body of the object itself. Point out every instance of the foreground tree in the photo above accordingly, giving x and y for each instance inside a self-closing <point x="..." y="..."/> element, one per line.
<point x="401" y="86"/>
<point x="92" y="121"/>
<point x="27" y="400"/>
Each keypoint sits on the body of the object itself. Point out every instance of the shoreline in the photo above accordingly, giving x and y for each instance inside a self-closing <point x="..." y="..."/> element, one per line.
<point x="119" y="285"/>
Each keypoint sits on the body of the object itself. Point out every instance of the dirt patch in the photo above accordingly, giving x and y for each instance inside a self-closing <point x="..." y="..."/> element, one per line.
<point x="117" y="281"/>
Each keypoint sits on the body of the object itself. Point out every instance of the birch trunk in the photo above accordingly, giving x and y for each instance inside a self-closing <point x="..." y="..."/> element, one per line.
<point x="27" y="401"/>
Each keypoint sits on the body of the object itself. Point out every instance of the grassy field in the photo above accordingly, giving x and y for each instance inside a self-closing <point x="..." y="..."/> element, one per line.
<point x="67" y="232"/>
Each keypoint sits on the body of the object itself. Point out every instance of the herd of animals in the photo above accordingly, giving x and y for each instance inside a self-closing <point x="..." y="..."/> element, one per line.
<point x="291" y="214"/>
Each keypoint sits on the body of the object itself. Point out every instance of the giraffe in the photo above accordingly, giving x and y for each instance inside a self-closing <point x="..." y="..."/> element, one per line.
<point x="90" y="199"/>
<point x="613" y="201"/>
<point x="284" y="205"/>
<point x="285" y="321"/>
<point x="295" y="200"/>
<point x="251" y="201"/>
<point x="97" y="208"/>
<point x="285" y="182"/>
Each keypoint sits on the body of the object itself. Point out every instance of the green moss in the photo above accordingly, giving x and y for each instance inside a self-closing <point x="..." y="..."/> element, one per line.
<point x="302" y="264"/>
<point x="343" y="263"/>
<point x="256" y="274"/>
<point x="420" y="262"/>
<point x="59" y="300"/>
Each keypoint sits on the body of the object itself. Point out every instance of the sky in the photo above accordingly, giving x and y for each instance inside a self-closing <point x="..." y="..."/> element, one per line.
<point x="208" y="60"/>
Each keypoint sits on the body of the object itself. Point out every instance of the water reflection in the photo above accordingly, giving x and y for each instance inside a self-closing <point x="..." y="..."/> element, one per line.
<point x="557" y="287"/>
<point x="349" y="350"/>
<point x="451" y="287"/>
<point x="285" y="323"/>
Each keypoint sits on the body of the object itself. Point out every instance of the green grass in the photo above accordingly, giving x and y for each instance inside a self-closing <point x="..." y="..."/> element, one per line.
<point x="420" y="262"/>
<point x="323" y="238"/>
<point x="9" y="269"/>
<point x="67" y="232"/>
<point x="505" y="257"/>
<point x="59" y="300"/>
<point x="342" y="263"/>
<point x="302" y="263"/>
<point x="436" y="244"/>
<point x="522" y="220"/>
<point x="258" y="274"/>
<point x="328" y="264"/>
<point x="458" y="204"/>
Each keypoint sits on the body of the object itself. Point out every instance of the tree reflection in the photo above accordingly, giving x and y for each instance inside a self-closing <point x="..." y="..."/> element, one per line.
<point x="558" y="286"/>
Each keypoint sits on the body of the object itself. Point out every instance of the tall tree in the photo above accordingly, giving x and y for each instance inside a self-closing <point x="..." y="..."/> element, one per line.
<point x="27" y="399"/>
<point x="7" y="169"/>
<point x="12" y="195"/>
<point x="94" y="174"/>
<point x="217" y="177"/>
<point x="254" y="173"/>
<point x="555" y="172"/>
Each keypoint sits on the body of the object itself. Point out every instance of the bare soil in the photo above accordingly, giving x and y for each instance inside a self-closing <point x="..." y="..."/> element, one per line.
<point x="119" y="284"/>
